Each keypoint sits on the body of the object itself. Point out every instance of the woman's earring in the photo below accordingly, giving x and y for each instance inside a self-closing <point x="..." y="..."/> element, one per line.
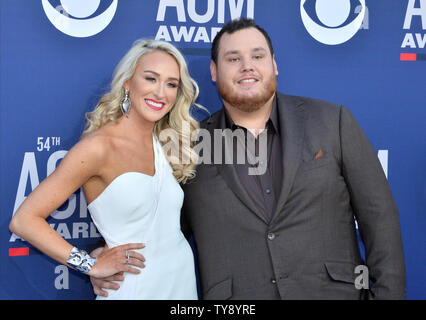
<point x="126" y="104"/>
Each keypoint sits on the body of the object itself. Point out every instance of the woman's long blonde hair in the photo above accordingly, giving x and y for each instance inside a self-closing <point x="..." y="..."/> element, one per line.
<point x="179" y="118"/>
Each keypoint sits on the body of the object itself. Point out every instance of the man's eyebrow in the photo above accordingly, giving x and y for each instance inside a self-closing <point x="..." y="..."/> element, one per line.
<point x="238" y="51"/>
<point x="231" y="52"/>
<point x="157" y="74"/>
<point x="258" y="49"/>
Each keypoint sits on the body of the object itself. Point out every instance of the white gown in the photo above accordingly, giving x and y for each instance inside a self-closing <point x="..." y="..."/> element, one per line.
<point x="139" y="208"/>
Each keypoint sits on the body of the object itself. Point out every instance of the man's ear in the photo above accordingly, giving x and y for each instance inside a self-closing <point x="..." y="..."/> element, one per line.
<point x="275" y="65"/>
<point x="213" y="70"/>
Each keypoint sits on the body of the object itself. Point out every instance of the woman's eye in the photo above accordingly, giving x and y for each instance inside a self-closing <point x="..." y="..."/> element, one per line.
<point x="150" y="79"/>
<point x="173" y="85"/>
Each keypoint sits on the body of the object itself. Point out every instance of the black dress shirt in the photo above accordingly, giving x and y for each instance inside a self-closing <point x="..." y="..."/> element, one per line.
<point x="264" y="188"/>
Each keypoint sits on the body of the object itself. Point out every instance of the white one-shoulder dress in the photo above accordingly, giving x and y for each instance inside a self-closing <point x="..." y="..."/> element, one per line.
<point x="139" y="208"/>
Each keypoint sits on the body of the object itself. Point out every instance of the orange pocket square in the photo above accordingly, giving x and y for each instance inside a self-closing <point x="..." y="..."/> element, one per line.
<point x="319" y="154"/>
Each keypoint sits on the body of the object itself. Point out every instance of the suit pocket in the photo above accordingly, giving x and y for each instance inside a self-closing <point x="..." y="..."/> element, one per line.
<point x="340" y="282"/>
<point x="313" y="164"/>
<point x="219" y="291"/>
<point x="341" y="271"/>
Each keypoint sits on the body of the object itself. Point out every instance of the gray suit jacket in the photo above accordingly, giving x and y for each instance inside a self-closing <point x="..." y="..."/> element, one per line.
<point x="309" y="249"/>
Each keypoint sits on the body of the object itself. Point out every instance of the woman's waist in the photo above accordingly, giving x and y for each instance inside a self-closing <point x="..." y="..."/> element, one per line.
<point x="158" y="240"/>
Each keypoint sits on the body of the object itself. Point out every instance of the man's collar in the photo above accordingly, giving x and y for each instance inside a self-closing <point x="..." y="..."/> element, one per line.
<point x="274" y="118"/>
<point x="272" y="123"/>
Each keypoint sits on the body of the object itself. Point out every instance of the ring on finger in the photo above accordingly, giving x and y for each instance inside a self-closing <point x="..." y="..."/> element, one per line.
<point x="127" y="257"/>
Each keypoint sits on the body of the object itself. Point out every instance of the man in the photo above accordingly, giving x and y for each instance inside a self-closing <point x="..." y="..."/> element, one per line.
<point x="289" y="233"/>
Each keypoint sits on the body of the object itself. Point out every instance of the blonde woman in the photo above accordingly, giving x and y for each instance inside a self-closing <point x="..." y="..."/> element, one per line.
<point x="130" y="183"/>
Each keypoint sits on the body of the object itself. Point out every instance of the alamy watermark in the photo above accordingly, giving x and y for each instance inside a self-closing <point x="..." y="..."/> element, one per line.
<point x="222" y="146"/>
<point x="363" y="280"/>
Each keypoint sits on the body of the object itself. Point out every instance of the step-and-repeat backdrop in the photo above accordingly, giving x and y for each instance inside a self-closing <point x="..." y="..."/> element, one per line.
<point x="57" y="58"/>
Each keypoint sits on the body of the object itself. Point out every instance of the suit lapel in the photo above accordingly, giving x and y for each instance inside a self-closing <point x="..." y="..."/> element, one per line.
<point x="292" y="122"/>
<point x="229" y="173"/>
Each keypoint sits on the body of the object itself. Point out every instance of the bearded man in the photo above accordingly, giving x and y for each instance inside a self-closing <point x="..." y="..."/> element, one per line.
<point x="289" y="233"/>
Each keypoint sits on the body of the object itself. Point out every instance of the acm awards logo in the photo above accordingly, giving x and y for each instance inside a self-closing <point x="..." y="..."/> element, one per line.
<point x="74" y="17"/>
<point x="329" y="21"/>
<point x="215" y="11"/>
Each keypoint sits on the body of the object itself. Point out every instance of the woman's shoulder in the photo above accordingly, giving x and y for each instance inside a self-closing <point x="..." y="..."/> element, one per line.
<point x="104" y="141"/>
<point x="97" y="144"/>
<point x="87" y="156"/>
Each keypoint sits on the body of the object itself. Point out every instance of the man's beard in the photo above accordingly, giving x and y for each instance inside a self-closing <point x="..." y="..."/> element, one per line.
<point x="248" y="103"/>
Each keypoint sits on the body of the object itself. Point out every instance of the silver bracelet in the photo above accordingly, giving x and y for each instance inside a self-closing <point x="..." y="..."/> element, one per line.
<point x="81" y="260"/>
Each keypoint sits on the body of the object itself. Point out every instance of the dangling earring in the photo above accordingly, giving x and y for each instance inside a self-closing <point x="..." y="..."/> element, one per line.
<point x="126" y="103"/>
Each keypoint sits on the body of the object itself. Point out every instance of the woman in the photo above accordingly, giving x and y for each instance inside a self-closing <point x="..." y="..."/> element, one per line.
<point x="131" y="185"/>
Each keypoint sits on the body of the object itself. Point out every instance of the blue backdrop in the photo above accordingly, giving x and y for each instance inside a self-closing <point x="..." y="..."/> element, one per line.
<point x="57" y="58"/>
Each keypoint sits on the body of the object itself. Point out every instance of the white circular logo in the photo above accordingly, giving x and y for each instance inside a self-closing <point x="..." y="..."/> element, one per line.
<point x="80" y="9"/>
<point x="332" y="14"/>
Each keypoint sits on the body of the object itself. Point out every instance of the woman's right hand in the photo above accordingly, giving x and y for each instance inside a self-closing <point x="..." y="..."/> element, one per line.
<point x="113" y="261"/>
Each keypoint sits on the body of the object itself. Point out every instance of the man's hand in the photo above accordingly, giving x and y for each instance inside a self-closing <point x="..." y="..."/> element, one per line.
<point x="110" y="281"/>
<point x="106" y="283"/>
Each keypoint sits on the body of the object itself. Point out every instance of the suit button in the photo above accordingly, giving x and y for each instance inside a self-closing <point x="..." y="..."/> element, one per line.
<point x="271" y="236"/>
<point x="273" y="281"/>
<point x="268" y="191"/>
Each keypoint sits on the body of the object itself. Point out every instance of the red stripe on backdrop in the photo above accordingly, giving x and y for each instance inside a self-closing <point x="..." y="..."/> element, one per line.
<point x="408" y="57"/>
<point x="14" y="252"/>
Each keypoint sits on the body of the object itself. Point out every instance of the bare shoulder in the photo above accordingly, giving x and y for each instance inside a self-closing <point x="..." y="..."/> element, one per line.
<point x="95" y="144"/>
<point x="89" y="154"/>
